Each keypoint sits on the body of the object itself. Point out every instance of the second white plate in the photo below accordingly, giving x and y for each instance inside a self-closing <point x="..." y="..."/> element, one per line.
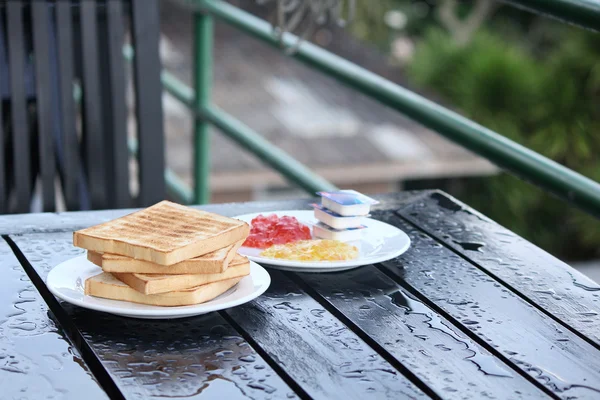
<point x="380" y="242"/>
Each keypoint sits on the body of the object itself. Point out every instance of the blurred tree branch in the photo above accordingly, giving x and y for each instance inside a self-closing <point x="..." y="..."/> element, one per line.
<point x="462" y="30"/>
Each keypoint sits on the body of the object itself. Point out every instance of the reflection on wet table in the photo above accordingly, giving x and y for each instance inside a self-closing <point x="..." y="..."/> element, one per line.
<point x="470" y="311"/>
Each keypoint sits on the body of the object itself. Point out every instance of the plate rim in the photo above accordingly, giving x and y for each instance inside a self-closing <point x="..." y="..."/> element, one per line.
<point x="325" y="265"/>
<point x="177" y="311"/>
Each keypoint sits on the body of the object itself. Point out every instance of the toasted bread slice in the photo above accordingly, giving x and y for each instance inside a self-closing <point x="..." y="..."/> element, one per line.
<point x="154" y="284"/>
<point x="211" y="263"/>
<point x="165" y="234"/>
<point x="105" y="285"/>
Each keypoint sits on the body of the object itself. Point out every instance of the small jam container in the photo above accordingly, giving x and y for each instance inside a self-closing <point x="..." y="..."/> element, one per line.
<point x="323" y="231"/>
<point x="347" y="203"/>
<point x="335" y="220"/>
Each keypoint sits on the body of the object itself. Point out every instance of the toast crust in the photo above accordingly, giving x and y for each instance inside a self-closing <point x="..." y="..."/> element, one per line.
<point x="165" y="233"/>
<point x="212" y="263"/>
<point x="107" y="286"/>
<point x="155" y="284"/>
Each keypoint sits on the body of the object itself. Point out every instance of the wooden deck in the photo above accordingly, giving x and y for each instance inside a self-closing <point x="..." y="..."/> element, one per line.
<point x="348" y="138"/>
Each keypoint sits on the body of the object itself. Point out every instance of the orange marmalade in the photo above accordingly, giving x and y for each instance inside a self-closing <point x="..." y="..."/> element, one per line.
<point x="313" y="250"/>
<point x="270" y="230"/>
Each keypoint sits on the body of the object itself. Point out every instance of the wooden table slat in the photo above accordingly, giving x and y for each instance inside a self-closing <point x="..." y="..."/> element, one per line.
<point x="201" y="357"/>
<point x="4" y="88"/>
<point x="32" y="346"/>
<point x="44" y="102"/>
<point x="325" y="358"/>
<point x="71" y="164"/>
<point x="530" y="340"/>
<point x="93" y="122"/>
<point x="3" y="188"/>
<point x="148" y="100"/>
<point x="112" y="72"/>
<point x="545" y="281"/>
<point x="427" y="344"/>
<point x="19" y="123"/>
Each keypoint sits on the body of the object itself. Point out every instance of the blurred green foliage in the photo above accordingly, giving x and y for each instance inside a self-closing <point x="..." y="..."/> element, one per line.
<point x="369" y="22"/>
<point x="543" y="92"/>
<point x="534" y="80"/>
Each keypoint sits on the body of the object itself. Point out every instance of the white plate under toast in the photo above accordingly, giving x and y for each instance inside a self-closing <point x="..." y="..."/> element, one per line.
<point x="380" y="242"/>
<point x="66" y="281"/>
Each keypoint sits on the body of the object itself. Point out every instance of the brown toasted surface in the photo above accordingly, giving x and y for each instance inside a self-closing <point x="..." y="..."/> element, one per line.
<point x="165" y="234"/>
<point x="217" y="255"/>
<point x="165" y="227"/>
<point x="156" y="283"/>
<point x="105" y="285"/>
<point x="238" y="259"/>
<point x="209" y="264"/>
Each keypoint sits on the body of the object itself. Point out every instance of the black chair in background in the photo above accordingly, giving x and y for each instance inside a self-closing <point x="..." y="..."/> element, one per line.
<point x="47" y="50"/>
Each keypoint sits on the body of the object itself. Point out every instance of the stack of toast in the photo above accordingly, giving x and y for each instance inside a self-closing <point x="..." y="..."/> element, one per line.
<point x="165" y="255"/>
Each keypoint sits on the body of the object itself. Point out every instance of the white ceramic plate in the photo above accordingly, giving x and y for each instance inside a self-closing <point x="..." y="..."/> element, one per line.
<point x="66" y="281"/>
<point x="380" y="242"/>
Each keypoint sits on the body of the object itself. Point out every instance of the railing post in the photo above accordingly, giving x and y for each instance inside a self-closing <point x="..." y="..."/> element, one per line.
<point x="203" y="52"/>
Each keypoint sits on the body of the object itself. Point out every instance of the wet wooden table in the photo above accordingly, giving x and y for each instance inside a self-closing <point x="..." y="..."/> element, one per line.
<point x="471" y="311"/>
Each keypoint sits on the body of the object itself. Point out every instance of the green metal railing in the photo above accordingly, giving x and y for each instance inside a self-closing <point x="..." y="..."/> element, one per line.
<point x="203" y="50"/>
<point x="585" y="13"/>
<point x="208" y="114"/>
<point x="531" y="166"/>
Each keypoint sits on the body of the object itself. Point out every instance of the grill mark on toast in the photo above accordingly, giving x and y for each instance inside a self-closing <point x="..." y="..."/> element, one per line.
<point x="168" y="227"/>
<point x="163" y="227"/>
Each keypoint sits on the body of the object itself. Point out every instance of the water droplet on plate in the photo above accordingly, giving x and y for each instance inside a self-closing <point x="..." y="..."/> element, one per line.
<point x="247" y="359"/>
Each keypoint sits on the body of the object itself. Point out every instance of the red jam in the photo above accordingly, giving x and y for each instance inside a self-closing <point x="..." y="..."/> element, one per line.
<point x="269" y="230"/>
